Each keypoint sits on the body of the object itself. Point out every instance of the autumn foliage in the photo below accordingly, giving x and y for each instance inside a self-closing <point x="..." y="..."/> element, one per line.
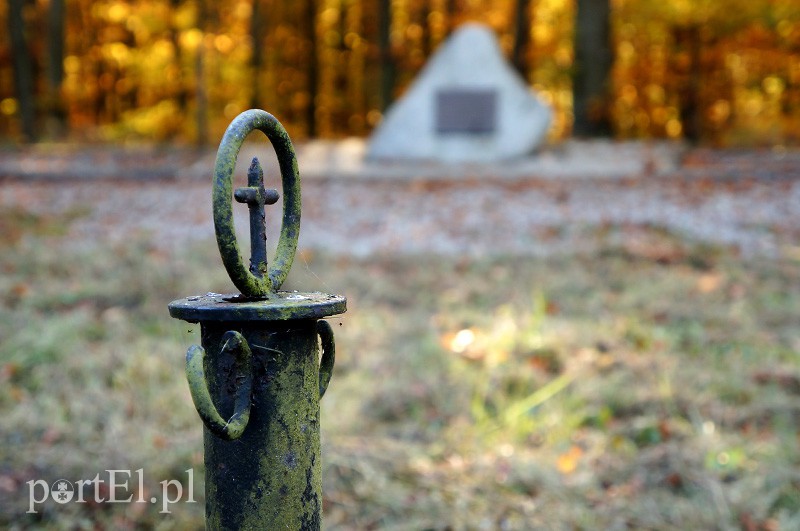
<point x="721" y="72"/>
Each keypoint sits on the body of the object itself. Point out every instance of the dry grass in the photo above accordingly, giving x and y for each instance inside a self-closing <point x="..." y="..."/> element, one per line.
<point x="623" y="389"/>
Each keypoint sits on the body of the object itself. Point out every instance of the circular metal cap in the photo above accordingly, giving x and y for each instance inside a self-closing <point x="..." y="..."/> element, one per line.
<point x="282" y="306"/>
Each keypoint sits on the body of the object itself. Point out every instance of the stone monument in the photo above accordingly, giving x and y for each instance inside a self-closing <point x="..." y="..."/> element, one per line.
<point x="467" y="105"/>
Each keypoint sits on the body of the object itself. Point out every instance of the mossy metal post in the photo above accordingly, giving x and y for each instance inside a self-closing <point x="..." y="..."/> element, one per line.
<point x="257" y="379"/>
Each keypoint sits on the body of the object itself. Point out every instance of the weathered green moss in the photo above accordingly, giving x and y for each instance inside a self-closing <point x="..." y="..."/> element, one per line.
<point x="325" y="333"/>
<point x="270" y="477"/>
<point x="232" y="428"/>
<point x="282" y="306"/>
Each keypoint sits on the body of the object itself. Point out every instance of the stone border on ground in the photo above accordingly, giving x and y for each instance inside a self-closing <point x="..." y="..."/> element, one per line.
<point x="341" y="159"/>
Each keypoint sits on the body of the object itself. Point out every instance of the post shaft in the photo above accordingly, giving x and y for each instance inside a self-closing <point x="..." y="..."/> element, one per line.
<point x="270" y="477"/>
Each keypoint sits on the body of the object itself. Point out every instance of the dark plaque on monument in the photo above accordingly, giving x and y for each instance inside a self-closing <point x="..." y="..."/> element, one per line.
<point x="466" y="111"/>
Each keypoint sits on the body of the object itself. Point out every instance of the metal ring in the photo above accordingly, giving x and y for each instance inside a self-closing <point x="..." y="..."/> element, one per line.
<point x="198" y="386"/>
<point x="249" y="284"/>
<point x="325" y="333"/>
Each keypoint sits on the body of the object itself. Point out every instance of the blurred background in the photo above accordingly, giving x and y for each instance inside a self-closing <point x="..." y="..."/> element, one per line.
<point x="726" y="73"/>
<point x="605" y="338"/>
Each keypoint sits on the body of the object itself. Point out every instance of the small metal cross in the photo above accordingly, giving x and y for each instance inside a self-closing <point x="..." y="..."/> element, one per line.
<point x="256" y="196"/>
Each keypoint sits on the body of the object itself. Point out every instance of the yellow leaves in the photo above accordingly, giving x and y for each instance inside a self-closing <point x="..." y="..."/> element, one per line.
<point x="185" y="16"/>
<point x="626" y="52"/>
<point x="655" y="93"/>
<point x="223" y="43"/>
<point x="158" y="122"/>
<point x="163" y="50"/>
<point x="747" y="62"/>
<point x="569" y="460"/>
<point x="191" y="39"/>
<point x="8" y="106"/>
<point x="72" y="65"/>
<point x="543" y="34"/>
<point x="674" y="128"/>
<point x="374" y="117"/>
<point x="117" y="12"/>
<point x="629" y="94"/>
<point x="720" y="111"/>
<point x="773" y="85"/>
<point x="243" y="11"/>
<point x="117" y="52"/>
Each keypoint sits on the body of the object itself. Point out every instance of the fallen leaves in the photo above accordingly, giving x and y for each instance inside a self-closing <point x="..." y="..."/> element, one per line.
<point x="785" y="379"/>
<point x="709" y="282"/>
<point x="568" y="461"/>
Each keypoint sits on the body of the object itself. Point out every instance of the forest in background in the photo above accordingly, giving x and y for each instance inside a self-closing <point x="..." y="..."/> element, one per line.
<point x="719" y="72"/>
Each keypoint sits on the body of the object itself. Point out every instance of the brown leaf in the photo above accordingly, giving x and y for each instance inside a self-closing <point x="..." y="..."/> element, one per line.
<point x="785" y="380"/>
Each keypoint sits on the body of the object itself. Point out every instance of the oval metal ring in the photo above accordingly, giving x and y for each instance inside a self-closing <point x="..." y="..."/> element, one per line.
<point x="249" y="284"/>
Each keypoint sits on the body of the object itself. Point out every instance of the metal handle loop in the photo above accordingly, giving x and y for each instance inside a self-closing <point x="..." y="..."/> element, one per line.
<point x="248" y="283"/>
<point x="325" y="333"/>
<point x="198" y="386"/>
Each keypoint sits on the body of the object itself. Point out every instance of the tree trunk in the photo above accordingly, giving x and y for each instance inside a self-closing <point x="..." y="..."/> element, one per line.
<point x="313" y="66"/>
<point x="385" y="51"/>
<point x="200" y="95"/>
<point x="689" y="41"/>
<point x="427" y="40"/>
<point x="593" y="60"/>
<point x="56" y="18"/>
<point x="182" y="95"/>
<point x="257" y="57"/>
<point x="451" y="9"/>
<point x="522" y="37"/>
<point x="23" y="70"/>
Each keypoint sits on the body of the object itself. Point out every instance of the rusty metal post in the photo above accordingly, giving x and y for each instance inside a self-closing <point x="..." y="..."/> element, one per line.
<point x="257" y="379"/>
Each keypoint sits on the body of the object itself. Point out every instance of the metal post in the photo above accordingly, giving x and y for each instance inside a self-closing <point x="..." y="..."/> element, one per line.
<point x="257" y="379"/>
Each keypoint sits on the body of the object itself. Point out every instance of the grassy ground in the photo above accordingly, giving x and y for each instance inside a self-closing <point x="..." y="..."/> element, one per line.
<point x="646" y="386"/>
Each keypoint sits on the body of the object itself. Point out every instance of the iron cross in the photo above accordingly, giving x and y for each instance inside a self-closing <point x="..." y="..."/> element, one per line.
<point x="256" y="196"/>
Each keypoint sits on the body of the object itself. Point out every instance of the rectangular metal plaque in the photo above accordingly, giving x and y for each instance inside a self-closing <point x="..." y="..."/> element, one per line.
<point x="466" y="111"/>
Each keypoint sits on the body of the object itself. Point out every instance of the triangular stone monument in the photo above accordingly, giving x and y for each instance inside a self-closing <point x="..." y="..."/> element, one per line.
<point x="467" y="105"/>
